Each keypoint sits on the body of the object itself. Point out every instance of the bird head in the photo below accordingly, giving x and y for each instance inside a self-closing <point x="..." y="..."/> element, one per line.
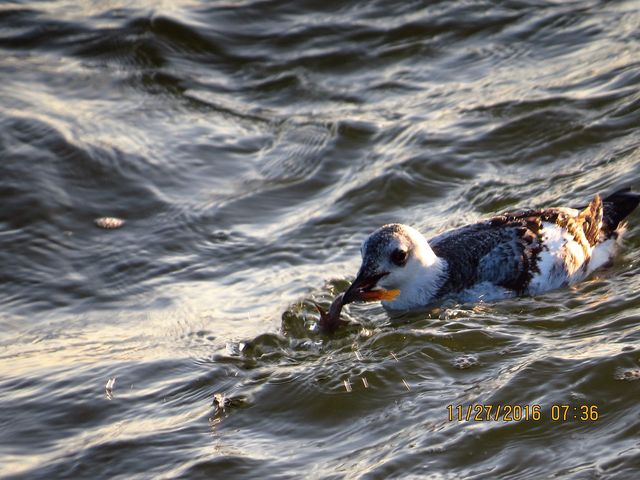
<point x="392" y="257"/>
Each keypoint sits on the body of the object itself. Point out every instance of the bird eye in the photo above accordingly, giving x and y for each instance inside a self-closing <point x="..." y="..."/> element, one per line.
<point x="399" y="256"/>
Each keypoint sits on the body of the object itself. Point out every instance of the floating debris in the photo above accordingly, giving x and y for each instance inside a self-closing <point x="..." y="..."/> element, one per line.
<point x="628" y="374"/>
<point x="465" y="361"/>
<point x="358" y="356"/>
<point x="109" y="387"/>
<point x="220" y="402"/>
<point x="365" y="383"/>
<point x="394" y="356"/>
<point x="347" y="385"/>
<point x="235" y="348"/>
<point x="109" y="223"/>
<point x="366" y="332"/>
<point x="406" y="385"/>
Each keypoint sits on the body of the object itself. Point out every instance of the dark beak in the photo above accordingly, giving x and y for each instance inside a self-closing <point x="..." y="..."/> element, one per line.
<point x="362" y="289"/>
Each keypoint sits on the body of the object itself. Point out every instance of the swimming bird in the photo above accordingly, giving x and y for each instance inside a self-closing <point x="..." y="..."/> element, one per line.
<point x="524" y="252"/>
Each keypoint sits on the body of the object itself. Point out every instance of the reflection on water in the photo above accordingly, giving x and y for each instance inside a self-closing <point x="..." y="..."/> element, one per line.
<point x="250" y="147"/>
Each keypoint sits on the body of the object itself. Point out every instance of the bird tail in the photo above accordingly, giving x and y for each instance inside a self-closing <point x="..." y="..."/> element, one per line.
<point x="591" y="220"/>
<point x="616" y="207"/>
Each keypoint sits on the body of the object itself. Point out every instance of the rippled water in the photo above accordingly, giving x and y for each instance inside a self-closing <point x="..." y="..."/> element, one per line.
<point x="250" y="146"/>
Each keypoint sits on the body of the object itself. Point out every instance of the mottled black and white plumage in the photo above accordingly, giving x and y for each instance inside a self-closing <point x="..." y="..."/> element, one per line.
<point x="515" y="253"/>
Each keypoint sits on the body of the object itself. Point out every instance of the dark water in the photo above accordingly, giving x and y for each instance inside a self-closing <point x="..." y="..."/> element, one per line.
<point x="250" y="146"/>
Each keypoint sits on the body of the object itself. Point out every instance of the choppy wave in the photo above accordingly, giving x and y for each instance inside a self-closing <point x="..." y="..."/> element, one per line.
<point x="250" y="147"/>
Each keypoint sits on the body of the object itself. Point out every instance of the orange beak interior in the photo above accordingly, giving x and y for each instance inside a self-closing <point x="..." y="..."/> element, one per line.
<point x="374" y="295"/>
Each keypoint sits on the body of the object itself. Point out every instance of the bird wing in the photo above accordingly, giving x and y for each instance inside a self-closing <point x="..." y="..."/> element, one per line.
<point x="505" y="249"/>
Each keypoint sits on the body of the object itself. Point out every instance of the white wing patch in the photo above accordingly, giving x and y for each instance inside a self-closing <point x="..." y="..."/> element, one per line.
<point x="602" y="254"/>
<point x="561" y="261"/>
<point x="604" y="251"/>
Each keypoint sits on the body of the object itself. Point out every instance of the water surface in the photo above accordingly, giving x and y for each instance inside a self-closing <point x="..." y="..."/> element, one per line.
<point x="250" y="147"/>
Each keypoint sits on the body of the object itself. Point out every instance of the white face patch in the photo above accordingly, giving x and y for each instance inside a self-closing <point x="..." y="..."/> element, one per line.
<point x="417" y="279"/>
